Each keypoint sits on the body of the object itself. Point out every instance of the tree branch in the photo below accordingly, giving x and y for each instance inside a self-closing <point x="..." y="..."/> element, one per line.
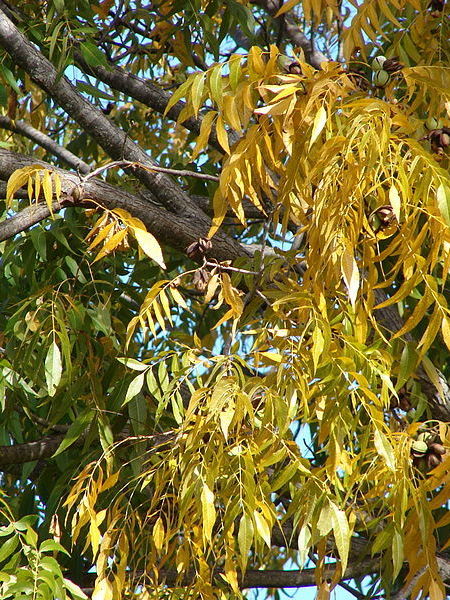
<point x="146" y="92"/>
<point x="16" y="454"/>
<point x="177" y="231"/>
<point x="298" y="38"/>
<point x="252" y="578"/>
<point x="45" y="142"/>
<point x="111" y="138"/>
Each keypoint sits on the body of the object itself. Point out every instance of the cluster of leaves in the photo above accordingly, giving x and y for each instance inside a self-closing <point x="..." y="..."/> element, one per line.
<point x="191" y="461"/>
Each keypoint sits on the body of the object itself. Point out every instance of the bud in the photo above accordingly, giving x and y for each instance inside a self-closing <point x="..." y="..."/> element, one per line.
<point x="378" y="62"/>
<point x="381" y="78"/>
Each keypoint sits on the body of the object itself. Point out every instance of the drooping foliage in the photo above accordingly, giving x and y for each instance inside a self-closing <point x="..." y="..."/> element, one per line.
<point x="225" y="327"/>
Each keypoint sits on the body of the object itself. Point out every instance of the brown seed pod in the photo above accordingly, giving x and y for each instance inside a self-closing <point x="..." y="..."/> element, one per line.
<point x="295" y="68"/>
<point x="437" y="448"/>
<point x="197" y="249"/>
<point x="433" y="461"/>
<point x="392" y="65"/>
<point x="200" y="279"/>
<point x="437" y="6"/>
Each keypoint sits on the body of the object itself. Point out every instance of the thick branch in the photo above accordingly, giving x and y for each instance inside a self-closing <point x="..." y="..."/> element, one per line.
<point x="29" y="216"/>
<point x="176" y="231"/>
<point x="144" y="91"/>
<point x="111" y="138"/>
<point x="254" y="578"/>
<point x="45" y="142"/>
<point x="17" y="454"/>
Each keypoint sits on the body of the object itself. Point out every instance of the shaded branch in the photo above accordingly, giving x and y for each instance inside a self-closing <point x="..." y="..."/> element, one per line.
<point x="146" y="92"/>
<point x="177" y="231"/>
<point x="111" y="138"/>
<point x="45" y="447"/>
<point x="292" y="31"/>
<point x="45" y="142"/>
<point x="252" y="578"/>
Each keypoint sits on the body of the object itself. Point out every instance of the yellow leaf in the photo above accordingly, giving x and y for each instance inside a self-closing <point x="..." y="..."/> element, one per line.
<point x="222" y="135"/>
<point x="319" y="123"/>
<point x="48" y="190"/>
<point x="262" y="527"/>
<point x="341" y="531"/>
<point x="165" y="305"/>
<point x="446" y="331"/>
<point x="208" y="511"/>
<point x="230" y="112"/>
<point x="178" y="297"/>
<point x="158" y="315"/>
<point x="103" y="590"/>
<point x="57" y="185"/>
<point x="181" y="92"/>
<point x="101" y="236"/>
<point x="394" y="199"/>
<point x="17" y="180"/>
<point x="198" y="83"/>
<point x="149" y="244"/>
<point x="228" y="315"/>
<point x="158" y="534"/>
<point x="215" y="84"/>
<point x="273" y="356"/>
<point x="417" y="314"/>
<point x="443" y="202"/>
<point x="111" y="244"/>
<point x="318" y="345"/>
<point x="286" y="6"/>
<point x="231" y="296"/>
<point x="245" y="537"/>
<point x="350" y="274"/>
<point x="384" y="449"/>
<point x="212" y="287"/>
<point x="205" y="130"/>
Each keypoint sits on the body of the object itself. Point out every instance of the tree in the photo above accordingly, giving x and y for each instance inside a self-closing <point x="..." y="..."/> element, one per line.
<point x="225" y="328"/>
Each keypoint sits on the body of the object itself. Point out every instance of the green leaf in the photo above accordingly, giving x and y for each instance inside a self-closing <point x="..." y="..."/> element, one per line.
<point x="52" y="546"/>
<point x="53" y="368"/>
<point x="384" y="449"/>
<point x="134" y="388"/>
<point x="92" y="55"/>
<point x="245" y="537"/>
<point x="8" y="547"/>
<point x="91" y="90"/>
<point x="443" y="201"/>
<point x="75" y="431"/>
<point x="131" y="363"/>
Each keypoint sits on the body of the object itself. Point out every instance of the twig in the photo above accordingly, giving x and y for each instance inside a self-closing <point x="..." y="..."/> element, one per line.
<point x="45" y="142"/>
<point x="228" y="268"/>
<point x="135" y="164"/>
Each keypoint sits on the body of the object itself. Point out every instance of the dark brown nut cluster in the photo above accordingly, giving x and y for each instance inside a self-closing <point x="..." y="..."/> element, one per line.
<point x="199" y="248"/>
